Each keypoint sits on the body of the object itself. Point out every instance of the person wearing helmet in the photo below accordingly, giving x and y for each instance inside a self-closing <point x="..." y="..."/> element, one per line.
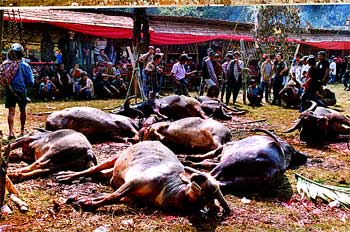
<point x="18" y="80"/>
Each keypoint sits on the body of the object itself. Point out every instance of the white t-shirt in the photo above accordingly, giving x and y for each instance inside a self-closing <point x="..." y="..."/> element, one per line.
<point x="297" y="70"/>
<point x="179" y="71"/>
<point x="235" y="66"/>
<point x="100" y="44"/>
<point x="333" y="68"/>
<point x="304" y="68"/>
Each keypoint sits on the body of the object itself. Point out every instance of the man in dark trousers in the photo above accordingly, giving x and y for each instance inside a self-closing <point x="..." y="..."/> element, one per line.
<point x="16" y="76"/>
<point x="234" y="77"/>
<point x="322" y="68"/>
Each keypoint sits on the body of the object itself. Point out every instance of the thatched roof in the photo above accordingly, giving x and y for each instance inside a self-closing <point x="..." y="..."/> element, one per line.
<point x="164" y="29"/>
<point x="64" y="16"/>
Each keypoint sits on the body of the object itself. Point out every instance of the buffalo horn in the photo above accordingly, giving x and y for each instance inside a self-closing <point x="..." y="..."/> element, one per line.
<point x="296" y="125"/>
<point x="312" y="107"/>
<point x="127" y="102"/>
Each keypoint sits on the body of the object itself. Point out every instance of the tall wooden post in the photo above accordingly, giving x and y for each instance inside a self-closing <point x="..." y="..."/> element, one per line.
<point x="1" y="30"/>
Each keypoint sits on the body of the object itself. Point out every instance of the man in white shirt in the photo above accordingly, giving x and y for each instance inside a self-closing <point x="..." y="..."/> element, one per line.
<point x="178" y="74"/>
<point x="305" y="67"/>
<point x="333" y="71"/>
<point x="296" y="69"/>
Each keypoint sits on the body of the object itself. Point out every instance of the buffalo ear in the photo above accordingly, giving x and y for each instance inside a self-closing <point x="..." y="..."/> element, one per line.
<point x="197" y="180"/>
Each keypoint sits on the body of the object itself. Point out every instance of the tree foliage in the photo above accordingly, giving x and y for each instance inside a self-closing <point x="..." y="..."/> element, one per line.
<point x="318" y="16"/>
<point x="275" y="25"/>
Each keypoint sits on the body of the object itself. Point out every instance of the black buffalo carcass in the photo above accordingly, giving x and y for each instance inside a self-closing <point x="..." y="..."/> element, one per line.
<point x="173" y="107"/>
<point x="322" y="125"/>
<point x="189" y="134"/>
<point x="215" y="108"/>
<point x="95" y="124"/>
<point x="254" y="164"/>
<point x="290" y="95"/>
<point x="50" y="152"/>
<point x="151" y="173"/>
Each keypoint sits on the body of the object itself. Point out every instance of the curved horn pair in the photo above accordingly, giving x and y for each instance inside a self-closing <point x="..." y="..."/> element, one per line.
<point x="297" y="124"/>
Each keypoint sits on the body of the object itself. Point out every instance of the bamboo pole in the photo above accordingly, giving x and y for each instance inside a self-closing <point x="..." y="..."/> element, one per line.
<point x="3" y="170"/>
<point x="1" y="30"/>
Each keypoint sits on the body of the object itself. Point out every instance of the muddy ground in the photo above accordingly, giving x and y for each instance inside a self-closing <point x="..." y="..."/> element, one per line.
<point x="281" y="210"/>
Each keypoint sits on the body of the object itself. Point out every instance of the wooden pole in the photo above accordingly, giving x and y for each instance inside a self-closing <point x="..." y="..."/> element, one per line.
<point x="1" y="31"/>
<point x="3" y="170"/>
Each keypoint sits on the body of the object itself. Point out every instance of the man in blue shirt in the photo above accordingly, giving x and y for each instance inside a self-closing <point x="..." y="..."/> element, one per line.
<point x="16" y="85"/>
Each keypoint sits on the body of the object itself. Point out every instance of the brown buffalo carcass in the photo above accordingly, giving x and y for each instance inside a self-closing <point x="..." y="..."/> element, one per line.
<point x="151" y="173"/>
<point x="189" y="134"/>
<point x="95" y="124"/>
<point x="173" y="107"/>
<point x="253" y="164"/>
<point x="322" y="125"/>
<point x="51" y="152"/>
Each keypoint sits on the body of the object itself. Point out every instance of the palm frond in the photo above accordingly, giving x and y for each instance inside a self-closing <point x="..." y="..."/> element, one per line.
<point x="314" y="190"/>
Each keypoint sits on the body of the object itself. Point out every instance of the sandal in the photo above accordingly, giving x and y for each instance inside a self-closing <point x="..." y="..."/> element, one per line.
<point x="11" y="137"/>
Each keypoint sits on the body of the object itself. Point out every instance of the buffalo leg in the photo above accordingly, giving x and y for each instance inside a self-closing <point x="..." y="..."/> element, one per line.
<point x="39" y="164"/>
<point x="90" y="204"/>
<point x="106" y="165"/>
<point x="133" y="140"/>
<point x="210" y="155"/>
<point x="206" y="164"/>
<point x="21" y="176"/>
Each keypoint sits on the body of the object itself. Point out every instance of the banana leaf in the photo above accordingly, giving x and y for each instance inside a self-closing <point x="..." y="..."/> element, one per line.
<point x="328" y="193"/>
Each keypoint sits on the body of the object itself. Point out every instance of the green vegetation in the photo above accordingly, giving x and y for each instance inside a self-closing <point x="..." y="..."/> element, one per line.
<point x="319" y="16"/>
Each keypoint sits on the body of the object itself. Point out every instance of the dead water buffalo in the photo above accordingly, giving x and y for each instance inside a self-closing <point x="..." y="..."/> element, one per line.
<point x="290" y="95"/>
<point x="174" y="107"/>
<point x="151" y="173"/>
<point x="216" y="109"/>
<point x="255" y="163"/>
<point x="328" y="97"/>
<point x="320" y="124"/>
<point x="189" y="134"/>
<point x="95" y="124"/>
<point x="51" y="152"/>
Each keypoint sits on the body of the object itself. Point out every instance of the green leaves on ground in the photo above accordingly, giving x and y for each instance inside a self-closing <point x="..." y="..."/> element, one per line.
<point x="314" y="190"/>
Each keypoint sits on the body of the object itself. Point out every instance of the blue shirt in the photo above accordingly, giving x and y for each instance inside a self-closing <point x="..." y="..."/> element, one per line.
<point x="59" y="59"/>
<point x="23" y="79"/>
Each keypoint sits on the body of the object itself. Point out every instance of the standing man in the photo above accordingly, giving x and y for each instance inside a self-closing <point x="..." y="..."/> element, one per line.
<point x="266" y="75"/>
<point x="296" y="68"/>
<point x="346" y="75"/>
<point x="229" y="57"/>
<point x="152" y="71"/>
<point x="16" y="76"/>
<point x="71" y="50"/>
<point x="311" y="86"/>
<point x="322" y="68"/>
<point x="280" y="69"/>
<point x="333" y="71"/>
<point x="234" y="77"/>
<point x="208" y="71"/>
<point x="178" y="74"/>
<point x="144" y="59"/>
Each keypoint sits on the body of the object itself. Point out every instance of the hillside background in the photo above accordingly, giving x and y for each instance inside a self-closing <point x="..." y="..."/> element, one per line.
<point x="319" y="16"/>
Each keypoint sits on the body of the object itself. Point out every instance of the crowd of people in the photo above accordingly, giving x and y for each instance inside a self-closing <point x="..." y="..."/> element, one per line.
<point x="105" y="80"/>
<point x="306" y="75"/>
<point x="260" y="80"/>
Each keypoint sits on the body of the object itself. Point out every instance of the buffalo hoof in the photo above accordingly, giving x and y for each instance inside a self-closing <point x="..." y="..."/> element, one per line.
<point x="80" y="203"/>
